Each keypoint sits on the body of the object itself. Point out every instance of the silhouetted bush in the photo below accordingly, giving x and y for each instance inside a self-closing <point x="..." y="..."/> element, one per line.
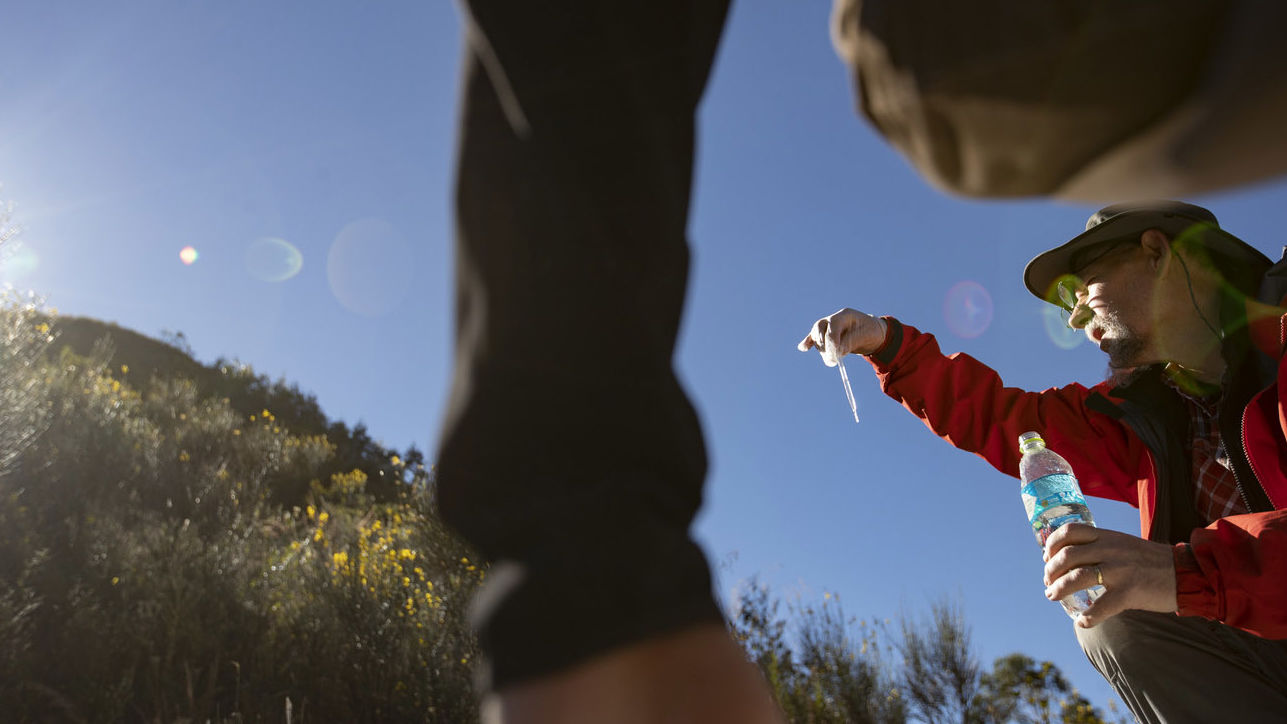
<point x="840" y="669"/>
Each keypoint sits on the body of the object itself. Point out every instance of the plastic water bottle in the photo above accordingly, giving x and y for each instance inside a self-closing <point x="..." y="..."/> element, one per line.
<point x="1052" y="498"/>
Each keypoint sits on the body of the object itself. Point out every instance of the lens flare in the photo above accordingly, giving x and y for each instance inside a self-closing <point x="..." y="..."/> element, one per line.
<point x="17" y="263"/>
<point x="1057" y="328"/>
<point x="188" y="255"/>
<point x="369" y="268"/>
<point x="967" y="309"/>
<point x="273" y="260"/>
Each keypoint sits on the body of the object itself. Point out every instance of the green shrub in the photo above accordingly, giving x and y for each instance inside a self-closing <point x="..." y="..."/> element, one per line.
<point x="149" y="569"/>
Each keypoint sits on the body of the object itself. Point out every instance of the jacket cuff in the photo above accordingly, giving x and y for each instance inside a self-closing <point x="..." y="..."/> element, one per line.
<point x="888" y="349"/>
<point x="1194" y="594"/>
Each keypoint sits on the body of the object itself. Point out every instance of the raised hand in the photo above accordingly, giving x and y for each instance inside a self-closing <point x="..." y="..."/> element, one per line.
<point x="847" y="331"/>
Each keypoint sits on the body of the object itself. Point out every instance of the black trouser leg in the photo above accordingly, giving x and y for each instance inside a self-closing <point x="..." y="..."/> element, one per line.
<point x="570" y="455"/>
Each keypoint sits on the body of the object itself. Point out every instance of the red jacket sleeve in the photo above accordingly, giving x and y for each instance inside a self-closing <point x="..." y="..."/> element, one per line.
<point x="964" y="402"/>
<point x="1235" y="571"/>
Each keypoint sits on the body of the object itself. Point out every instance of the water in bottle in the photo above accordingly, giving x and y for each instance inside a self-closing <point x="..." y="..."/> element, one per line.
<point x="1052" y="498"/>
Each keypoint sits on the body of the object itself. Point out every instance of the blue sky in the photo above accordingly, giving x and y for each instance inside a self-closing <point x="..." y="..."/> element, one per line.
<point x="250" y="130"/>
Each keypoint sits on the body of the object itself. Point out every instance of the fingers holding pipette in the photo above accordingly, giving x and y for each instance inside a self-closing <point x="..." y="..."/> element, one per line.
<point x="847" y="331"/>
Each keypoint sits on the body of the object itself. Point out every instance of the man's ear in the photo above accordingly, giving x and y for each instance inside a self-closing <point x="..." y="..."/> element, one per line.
<point x="1157" y="249"/>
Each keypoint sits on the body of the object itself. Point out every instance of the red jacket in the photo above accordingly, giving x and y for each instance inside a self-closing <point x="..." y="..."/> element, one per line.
<point x="1234" y="570"/>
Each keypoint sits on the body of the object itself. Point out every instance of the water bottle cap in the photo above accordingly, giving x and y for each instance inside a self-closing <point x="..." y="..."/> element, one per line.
<point x="1025" y="437"/>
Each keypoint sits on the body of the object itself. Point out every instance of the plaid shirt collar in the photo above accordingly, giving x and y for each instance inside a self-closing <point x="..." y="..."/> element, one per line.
<point x="1216" y="493"/>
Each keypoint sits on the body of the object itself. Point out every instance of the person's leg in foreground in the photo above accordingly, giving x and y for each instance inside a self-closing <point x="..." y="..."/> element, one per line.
<point x="1168" y="668"/>
<point x="570" y="456"/>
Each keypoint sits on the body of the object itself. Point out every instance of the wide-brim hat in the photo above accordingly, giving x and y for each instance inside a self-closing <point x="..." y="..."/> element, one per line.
<point x="1129" y="220"/>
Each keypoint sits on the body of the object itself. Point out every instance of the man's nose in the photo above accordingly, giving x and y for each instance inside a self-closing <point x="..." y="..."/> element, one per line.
<point x="1080" y="316"/>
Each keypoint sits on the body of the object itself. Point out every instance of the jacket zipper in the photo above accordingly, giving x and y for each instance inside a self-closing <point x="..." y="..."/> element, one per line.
<point x="1242" y="445"/>
<point x="1242" y="442"/>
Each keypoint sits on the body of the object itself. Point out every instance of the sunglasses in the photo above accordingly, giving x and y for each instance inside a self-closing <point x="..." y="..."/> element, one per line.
<point x="1066" y="289"/>
<point x="1069" y="286"/>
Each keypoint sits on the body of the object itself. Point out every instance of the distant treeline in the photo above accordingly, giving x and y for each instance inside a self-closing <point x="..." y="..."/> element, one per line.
<point x="825" y="667"/>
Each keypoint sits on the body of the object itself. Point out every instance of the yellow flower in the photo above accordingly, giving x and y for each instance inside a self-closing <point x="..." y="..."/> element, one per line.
<point x="116" y="580"/>
<point x="312" y="512"/>
<point x="183" y="456"/>
<point x="325" y="516"/>
<point x="125" y="369"/>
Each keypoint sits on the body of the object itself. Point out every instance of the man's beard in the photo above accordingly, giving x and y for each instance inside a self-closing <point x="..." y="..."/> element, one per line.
<point x="1122" y="344"/>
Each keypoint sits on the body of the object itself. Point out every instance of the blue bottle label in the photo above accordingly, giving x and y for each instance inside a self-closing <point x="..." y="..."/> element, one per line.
<point x="1050" y="491"/>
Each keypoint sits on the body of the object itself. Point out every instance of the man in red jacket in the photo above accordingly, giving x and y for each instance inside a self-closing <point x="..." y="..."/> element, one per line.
<point x="1189" y="429"/>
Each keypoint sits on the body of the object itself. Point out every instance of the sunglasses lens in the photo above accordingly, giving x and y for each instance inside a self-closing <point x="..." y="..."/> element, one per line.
<point x="1067" y="294"/>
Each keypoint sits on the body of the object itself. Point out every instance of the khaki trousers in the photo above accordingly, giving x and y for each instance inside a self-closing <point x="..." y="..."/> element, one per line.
<point x="1168" y="668"/>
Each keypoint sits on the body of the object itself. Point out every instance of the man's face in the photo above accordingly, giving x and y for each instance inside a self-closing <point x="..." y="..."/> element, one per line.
<point x="1111" y="293"/>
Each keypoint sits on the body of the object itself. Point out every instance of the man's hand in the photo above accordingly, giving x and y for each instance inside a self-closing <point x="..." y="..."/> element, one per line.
<point x="848" y="331"/>
<point x="1138" y="574"/>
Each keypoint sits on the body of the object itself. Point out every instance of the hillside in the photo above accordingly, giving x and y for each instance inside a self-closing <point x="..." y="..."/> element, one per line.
<point x="137" y="359"/>
<point x="189" y="542"/>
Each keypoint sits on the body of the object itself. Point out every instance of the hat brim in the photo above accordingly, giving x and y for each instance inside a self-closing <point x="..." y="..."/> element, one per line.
<point x="1048" y="267"/>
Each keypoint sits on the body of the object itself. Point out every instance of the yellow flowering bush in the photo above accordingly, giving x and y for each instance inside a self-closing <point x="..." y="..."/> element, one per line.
<point x="169" y="550"/>
<point x="383" y="572"/>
